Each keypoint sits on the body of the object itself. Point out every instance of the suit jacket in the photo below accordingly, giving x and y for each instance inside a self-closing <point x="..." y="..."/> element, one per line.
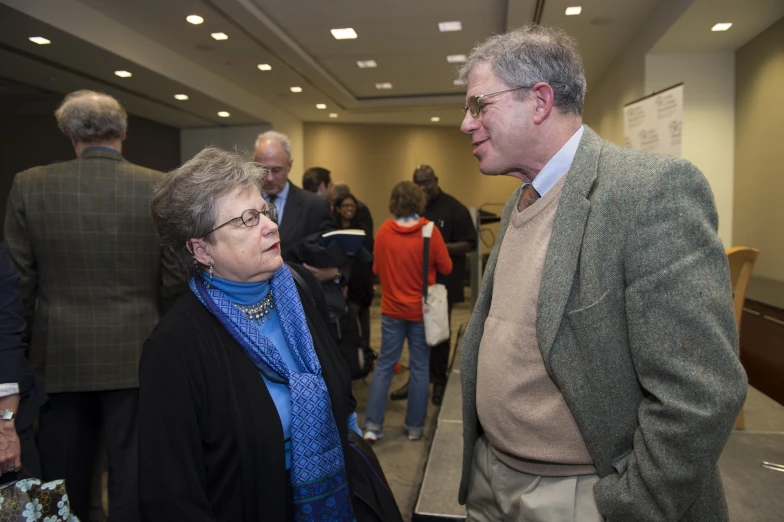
<point x="305" y="214"/>
<point x="94" y="280"/>
<point x="14" y="367"/>
<point x="636" y="328"/>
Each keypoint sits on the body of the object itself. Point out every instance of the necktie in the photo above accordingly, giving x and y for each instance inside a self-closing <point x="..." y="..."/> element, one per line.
<point x="528" y="197"/>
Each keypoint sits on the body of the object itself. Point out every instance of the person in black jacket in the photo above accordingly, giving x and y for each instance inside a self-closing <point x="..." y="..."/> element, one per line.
<point x="21" y="395"/>
<point x="300" y="213"/>
<point x="245" y="403"/>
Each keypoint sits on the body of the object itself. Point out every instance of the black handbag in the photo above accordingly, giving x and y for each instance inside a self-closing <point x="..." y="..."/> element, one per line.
<point x="373" y="500"/>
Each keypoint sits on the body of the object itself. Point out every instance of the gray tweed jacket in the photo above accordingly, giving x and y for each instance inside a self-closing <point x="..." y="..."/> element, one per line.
<point x="94" y="280"/>
<point x="636" y="327"/>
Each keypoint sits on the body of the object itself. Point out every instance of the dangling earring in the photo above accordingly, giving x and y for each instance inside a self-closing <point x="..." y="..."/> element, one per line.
<point x="211" y="271"/>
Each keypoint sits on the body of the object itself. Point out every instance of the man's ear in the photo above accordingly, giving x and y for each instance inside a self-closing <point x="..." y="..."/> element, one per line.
<point x="544" y="98"/>
<point x="200" y="250"/>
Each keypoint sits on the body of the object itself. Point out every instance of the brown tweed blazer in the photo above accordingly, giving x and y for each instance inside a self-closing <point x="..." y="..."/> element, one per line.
<point x="94" y="282"/>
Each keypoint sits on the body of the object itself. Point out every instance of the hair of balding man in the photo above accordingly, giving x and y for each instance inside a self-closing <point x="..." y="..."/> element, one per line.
<point x="91" y="117"/>
<point x="281" y="138"/>
<point x="341" y="189"/>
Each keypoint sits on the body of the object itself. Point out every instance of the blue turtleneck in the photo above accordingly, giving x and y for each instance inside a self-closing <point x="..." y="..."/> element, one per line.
<point x="249" y="294"/>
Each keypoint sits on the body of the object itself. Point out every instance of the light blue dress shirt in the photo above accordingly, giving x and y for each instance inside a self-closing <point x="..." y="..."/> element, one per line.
<point x="558" y="165"/>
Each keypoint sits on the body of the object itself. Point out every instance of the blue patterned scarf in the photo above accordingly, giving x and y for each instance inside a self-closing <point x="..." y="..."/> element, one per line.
<point x="318" y="470"/>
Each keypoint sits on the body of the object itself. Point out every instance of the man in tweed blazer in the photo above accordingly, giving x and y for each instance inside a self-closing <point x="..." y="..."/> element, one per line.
<point x="94" y="284"/>
<point x="599" y="369"/>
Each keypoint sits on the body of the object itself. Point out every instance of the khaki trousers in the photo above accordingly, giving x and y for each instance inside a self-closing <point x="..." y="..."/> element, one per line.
<point x="497" y="492"/>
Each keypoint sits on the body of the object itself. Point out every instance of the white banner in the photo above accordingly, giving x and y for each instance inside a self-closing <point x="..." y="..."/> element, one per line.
<point x="654" y="123"/>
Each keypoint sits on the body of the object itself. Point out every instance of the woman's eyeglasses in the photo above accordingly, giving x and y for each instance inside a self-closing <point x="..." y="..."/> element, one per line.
<point x="473" y="106"/>
<point x="250" y="217"/>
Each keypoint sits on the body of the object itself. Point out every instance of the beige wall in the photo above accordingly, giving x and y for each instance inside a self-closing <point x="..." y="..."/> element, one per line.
<point x="373" y="158"/>
<point x="624" y="80"/>
<point x="759" y="159"/>
<point x="708" y="118"/>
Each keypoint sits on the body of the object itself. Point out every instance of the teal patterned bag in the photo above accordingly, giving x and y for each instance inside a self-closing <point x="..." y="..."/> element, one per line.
<point x="30" y="500"/>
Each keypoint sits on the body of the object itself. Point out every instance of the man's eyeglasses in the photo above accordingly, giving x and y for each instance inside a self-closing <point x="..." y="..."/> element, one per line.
<point x="473" y="101"/>
<point x="250" y="217"/>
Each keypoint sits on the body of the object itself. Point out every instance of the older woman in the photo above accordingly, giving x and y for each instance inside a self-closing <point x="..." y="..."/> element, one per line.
<point x="399" y="250"/>
<point x="244" y="403"/>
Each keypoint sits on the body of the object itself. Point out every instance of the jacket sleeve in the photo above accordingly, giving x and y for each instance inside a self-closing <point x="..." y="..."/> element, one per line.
<point x="172" y="474"/>
<point x="13" y="363"/>
<point x="684" y="346"/>
<point x="439" y="253"/>
<point x="325" y="219"/>
<point x="20" y="248"/>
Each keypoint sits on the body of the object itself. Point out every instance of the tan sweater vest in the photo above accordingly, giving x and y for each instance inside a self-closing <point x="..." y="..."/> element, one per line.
<point x="524" y="416"/>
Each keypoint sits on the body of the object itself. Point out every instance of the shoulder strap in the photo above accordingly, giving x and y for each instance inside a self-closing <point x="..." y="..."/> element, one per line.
<point x="302" y="284"/>
<point x="427" y="231"/>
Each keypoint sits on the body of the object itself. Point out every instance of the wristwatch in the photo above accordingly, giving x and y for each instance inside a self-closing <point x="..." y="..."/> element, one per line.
<point x="7" y="415"/>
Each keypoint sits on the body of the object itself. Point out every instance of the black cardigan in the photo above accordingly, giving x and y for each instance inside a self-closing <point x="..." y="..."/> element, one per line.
<point x="210" y="439"/>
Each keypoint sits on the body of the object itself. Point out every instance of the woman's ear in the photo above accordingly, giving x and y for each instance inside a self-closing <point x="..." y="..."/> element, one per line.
<point x="200" y="250"/>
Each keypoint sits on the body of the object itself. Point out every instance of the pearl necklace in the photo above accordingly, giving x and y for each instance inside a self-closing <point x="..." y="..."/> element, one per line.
<point x="260" y="311"/>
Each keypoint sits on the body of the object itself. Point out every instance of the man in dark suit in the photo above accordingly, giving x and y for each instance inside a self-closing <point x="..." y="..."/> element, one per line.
<point x="94" y="284"/>
<point x="300" y="213"/>
<point x="20" y="393"/>
<point x="599" y="370"/>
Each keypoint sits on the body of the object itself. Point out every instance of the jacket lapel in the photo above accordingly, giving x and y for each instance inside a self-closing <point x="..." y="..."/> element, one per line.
<point x="563" y="252"/>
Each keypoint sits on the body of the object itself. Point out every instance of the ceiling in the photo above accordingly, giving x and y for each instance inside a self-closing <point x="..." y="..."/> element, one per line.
<point x="151" y="38"/>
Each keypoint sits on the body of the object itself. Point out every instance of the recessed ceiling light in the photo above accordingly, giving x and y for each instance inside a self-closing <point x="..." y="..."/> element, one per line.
<point x="181" y="97"/>
<point x="367" y="64"/>
<point x="40" y="40"/>
<point x="446" y="27"/>
<point x="123" y="74"/>
<point x="333" y="114"/>
<point x="220" y="36"/>
<point x="574" y="11"/>
<point x="459" y="83"/>
<point x="264" y="67"/>
<point x="346" y="33"/>
<point x="295" y="89"/>
<point x="321" y="106"/>
<point x="456" y="58"/>
<point x="194" y="19"/>
<point x="224" y="114"/>
<point x="435" y="119"/>
<point x="721" y="27"/>
<point x="385" y="85"/>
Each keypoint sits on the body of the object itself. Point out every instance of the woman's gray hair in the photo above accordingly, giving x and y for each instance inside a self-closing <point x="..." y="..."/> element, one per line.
<point x="532" y="54"/>
<point x="281" y="138"/>
<point x="91" y="117"/>
<point x="183" y="203"/>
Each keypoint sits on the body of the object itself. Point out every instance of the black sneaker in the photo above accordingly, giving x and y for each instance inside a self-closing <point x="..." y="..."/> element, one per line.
<point x="438" y="394"/>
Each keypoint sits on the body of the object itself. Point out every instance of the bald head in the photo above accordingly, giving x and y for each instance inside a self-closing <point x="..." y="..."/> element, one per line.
<point x="273" y="150"/>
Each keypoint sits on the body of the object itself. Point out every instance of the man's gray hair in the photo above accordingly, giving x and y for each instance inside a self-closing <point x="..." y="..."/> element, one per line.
<point x="532" y="54"/>
<point x="281" y="138"/>
<point x="183" y="203"/>
<point x="91" y="117"/>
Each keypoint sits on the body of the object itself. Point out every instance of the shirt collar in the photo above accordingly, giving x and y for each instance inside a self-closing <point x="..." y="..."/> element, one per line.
<point x="558" y="165"/>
